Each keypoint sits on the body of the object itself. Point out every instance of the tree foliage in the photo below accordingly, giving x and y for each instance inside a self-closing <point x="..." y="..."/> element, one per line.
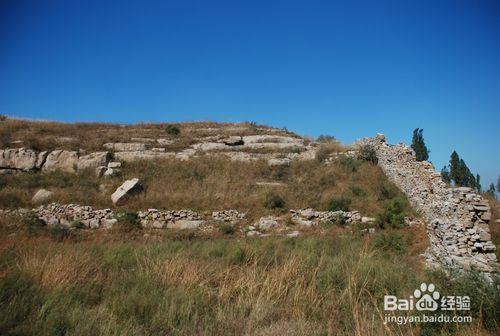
<point x="418" y="145"/>
<point x="458" y="173"/>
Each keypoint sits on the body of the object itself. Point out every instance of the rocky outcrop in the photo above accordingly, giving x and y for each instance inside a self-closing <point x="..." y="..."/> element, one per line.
<point x="457" y="218"/>
<point x="93" y="160"/>
<point x="61" y="160"/>
<point x="22" y="159"/>
<point x="19" y="159"/>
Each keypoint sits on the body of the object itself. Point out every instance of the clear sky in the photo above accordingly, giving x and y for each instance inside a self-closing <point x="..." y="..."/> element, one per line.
<point x="344" y="68"/>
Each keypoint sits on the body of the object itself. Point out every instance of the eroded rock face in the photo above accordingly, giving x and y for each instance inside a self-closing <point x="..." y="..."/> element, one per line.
<point x="128" y="188"/>
<point x="18" y="158"/>
<point x="61" y="160"/>
<point x="93" y="160"/>
<point x="457" y="218"/>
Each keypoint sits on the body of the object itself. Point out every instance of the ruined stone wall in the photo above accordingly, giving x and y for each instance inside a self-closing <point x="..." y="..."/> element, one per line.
<point x="457" y="218"/>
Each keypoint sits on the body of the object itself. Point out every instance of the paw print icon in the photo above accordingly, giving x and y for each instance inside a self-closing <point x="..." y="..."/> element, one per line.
<point x="427" y="297"/>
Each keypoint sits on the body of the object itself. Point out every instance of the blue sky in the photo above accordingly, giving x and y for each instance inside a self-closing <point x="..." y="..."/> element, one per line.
<point x="344" y="68"/>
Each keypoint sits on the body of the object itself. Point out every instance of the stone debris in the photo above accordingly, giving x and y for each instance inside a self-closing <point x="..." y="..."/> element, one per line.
<point x="128" y="188"/>
<point x="231" y="216"/>
<point x="266" y="223"/>
<point x="310" y="217"/>
<point x="457" y="218"/>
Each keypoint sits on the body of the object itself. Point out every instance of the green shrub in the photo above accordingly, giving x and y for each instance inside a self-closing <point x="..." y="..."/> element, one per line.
<point x="390" y="242"/>
<point x="128" y="222"/>
<point x="172" y="129"/>
<point x="386" y="191"/>
<point x="358" y="191"/>
<point x="339" y="203"/>
<point x="77" y="225"/>
<point x="3" y="117"/>
<point x="274" y="201"/>
<point x="393" y="214"/>
<point x="58" y="232"/>
<point x="226" y="228"/>
<point x="31" y="222"/>
<point x="367" y="153"/>
<point x="349" y="163"/>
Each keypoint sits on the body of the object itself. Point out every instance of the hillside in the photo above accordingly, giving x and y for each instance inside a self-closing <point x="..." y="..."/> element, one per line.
<point x="229" y="228"/>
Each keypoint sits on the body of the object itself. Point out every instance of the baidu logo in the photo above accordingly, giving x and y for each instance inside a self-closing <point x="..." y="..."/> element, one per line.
<point x="426" y="298"/>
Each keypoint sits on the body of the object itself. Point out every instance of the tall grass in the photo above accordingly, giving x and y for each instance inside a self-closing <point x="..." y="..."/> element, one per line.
<point x="329" y="285"/>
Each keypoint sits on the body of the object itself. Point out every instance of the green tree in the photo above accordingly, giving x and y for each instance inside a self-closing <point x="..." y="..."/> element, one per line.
<point x="445" y="175"/>
<point x="418" y="145"/>
<point x="455" y="168"/>
<point x="460" y="174"/>
<point x="478" y="183"/>
<point x="491" y="191"/>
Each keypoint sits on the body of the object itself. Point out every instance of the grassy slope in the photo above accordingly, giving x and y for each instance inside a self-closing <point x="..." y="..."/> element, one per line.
<point x="118" y="283"/>
<point x="159" y="284"/>
<point x="215" y="183"/>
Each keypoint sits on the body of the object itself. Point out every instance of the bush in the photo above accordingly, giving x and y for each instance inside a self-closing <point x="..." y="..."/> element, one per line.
<point x="390" y="242"/>
<point x="172" y="129"/>
<point x="274" y="201"/>
<point x="226" y="228"/>
<point x="58" y="232"/>
<point x="77" y="225"/>
<point x="393" y="215"/>
<point x="3" y="117"/>
<point x="339" y="203"/>
<point x="128" y="222"/>
<point x="367" y="153"/>
<point x="349" y="163"/>
<point x="358" y="191"/>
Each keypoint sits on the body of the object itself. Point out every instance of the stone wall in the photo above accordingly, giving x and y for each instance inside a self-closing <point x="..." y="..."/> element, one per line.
<point x="457" y="218"/>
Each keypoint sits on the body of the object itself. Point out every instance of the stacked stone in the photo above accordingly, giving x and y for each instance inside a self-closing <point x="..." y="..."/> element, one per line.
<point x="457" y="217"/>
<point x="69" y="214"/>
<point x="310" y="217"/>
<point x="231" y="216"/>
<point x="183" y="219"/>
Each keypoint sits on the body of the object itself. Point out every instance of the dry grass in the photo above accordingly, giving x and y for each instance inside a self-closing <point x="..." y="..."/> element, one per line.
<point x="330" y="285"/>
<point x="91" y="136"/>
<point x="212" y="183"/>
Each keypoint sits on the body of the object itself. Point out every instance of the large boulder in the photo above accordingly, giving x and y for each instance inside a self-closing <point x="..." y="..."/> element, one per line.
<point x="128" y="188"/>
<point x="42" y="196"/>
<point x="18" y="158"/>
<point x="61" y="160"/>
<point x="93" y="160"/>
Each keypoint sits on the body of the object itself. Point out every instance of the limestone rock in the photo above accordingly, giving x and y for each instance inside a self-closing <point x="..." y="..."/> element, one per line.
<point x="126" y="146"/>
<point x="128" y="188"/>
<point x="42" y="196"/>
<point x="61" y="160"/>
<point x="93" y="160"/>
<point x="185" y="224"/>
<point x="18" y="158"/>
<point x="266" y="223"/>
